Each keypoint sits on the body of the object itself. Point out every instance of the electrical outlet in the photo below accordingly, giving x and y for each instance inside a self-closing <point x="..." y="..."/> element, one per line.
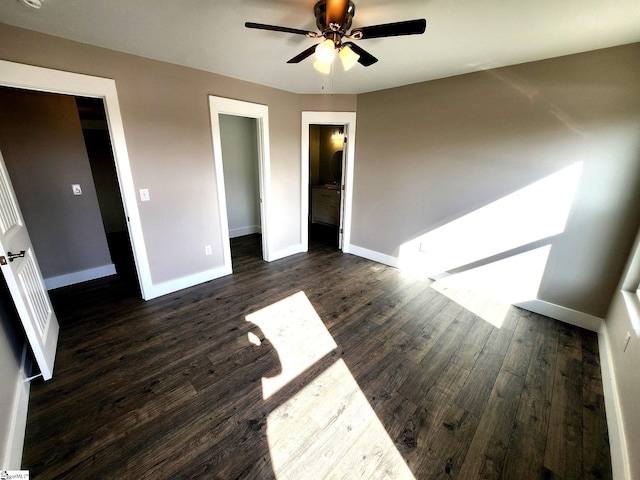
<point x="625" y="344"/>
<point x="76" y="189"/>
<point x="207" y="249"/>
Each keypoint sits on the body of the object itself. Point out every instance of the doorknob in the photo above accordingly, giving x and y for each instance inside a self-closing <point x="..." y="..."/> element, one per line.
<point x="12" y="257"/>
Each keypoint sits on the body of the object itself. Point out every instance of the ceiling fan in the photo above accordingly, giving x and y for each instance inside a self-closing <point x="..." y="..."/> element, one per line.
<point x="333" y="19"/>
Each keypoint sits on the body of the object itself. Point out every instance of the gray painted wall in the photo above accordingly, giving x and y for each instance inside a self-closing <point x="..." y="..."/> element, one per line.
<point x="238" y="136"/>
<point x="430" y="153"/>
<point x="44" y="151"/>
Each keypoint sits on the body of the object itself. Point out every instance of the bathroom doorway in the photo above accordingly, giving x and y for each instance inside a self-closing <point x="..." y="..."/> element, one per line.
<point x="326" y="149"/>
<point x="331" y="175"/>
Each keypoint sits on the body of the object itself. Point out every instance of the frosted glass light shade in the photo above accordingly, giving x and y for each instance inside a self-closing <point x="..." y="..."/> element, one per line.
<point x="325" y="51"/>
<point x="348" y="57"/>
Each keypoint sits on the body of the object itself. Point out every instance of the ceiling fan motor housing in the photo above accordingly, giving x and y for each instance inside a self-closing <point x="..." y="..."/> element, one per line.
<point x="320" y="12"/>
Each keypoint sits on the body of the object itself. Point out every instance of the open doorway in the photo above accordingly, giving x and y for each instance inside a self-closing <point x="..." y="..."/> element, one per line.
<point x="240" y="159"/>
<point x="341" y="129"/>
<point x="251" y="127"/>
<point x="97" y="140"/>
<point x="33" y="78"/>
<point x="326" y="148"/>
<point x="58" y="154"/>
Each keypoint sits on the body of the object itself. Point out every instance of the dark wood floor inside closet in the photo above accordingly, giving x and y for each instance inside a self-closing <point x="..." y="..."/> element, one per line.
<point x="415" y="386"/>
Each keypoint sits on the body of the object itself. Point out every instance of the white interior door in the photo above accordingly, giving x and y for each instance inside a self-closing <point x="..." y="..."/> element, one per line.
<point x="24" y="279"/>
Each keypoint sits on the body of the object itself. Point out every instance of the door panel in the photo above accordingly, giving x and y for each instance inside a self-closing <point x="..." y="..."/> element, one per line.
<point x="24" y="279"/>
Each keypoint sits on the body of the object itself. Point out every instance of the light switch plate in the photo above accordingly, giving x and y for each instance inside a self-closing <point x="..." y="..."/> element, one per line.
<point x="77" y="190"/>
<point x="144" y="195"/>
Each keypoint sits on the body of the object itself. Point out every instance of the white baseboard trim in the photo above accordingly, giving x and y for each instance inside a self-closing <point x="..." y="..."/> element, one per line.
<point x="375" y="256"/>
<point x="241" y="232"/>
<point x="564" y="314"/>
<point x="620" y="464"/>
<point x="12" y="459"/>
<point x="81" y="276"/>
<point x="160" y="289"/>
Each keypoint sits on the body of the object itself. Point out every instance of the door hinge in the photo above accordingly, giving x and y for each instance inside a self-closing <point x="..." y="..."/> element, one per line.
<point x="3" y="261"/>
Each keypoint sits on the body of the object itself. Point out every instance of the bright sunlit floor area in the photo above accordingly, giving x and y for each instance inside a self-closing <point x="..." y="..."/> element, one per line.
<point x="327" y="429"/>
<point x="321" y="365"/>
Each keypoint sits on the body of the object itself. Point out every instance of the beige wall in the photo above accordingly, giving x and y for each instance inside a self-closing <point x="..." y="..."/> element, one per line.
<point x="430" y="153"/>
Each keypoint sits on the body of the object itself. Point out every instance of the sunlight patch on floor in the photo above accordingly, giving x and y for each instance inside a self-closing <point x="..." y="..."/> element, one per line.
<point x="327" y="429"/>
<point x="489" y="309"/>
<point x="490" y="290"/>
<point x="296" y="332"/>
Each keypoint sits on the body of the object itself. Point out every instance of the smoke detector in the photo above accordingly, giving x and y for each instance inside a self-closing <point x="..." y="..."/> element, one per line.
<point x="31" y="3"/>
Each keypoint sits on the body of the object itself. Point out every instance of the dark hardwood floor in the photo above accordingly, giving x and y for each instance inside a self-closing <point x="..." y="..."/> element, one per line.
<point x="365" y="374"/>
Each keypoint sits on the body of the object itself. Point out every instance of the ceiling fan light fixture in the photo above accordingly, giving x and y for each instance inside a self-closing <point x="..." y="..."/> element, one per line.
<point x="348" y="57"/>
<point x="325" y="52"/>
<point x="324" y="68"/>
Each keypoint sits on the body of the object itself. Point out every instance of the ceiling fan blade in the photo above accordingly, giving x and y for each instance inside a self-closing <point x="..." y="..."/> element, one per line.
<point x="301" y="56"/>
<point x="409" y="27"/>
<point x="366" y="58"/>
<point x="276" y="28"/>
<point x="336" y="11"/>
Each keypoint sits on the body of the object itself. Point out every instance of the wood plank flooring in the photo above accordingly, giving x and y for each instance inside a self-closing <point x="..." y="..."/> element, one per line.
<point x="391" y="380"/>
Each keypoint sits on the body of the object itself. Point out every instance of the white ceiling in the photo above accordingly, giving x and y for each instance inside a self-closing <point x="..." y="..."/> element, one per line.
<point x="462" y="35"/>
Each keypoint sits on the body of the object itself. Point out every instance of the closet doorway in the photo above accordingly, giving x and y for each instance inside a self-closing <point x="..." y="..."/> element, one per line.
<point x="252" y="118"/>
<point x="240" y="160"/>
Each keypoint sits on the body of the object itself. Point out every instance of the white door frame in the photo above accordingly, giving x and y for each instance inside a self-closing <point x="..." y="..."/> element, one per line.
<point x="227" y="106"/>
<point x="28" y="77"/>
<point x="348" y="119"/>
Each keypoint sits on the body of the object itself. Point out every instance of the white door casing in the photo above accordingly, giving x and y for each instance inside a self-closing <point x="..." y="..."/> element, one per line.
<point x="24" y="279"/>
<point x="226" y="106"/>
<point x="41" y="79"/>
<point x="348" y="119"/>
